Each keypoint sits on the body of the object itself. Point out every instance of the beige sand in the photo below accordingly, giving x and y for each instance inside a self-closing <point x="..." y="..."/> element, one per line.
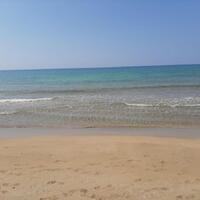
<point x="99" y="167"/>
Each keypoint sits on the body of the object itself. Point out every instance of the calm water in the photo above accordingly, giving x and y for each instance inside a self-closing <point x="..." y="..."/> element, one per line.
<point x="163" y="96"/>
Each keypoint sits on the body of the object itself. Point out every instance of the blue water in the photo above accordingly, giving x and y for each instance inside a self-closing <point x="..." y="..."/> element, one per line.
<point x="124" y="96"/>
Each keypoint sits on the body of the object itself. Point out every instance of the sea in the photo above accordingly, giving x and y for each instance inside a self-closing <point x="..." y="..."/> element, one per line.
<point x="145" y="96"/>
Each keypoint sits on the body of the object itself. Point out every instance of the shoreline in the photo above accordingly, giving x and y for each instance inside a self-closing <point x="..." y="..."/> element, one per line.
<point x="151" y="132"/>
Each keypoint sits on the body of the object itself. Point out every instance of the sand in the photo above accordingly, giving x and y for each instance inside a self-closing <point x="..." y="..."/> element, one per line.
<point x="99" y="168"/>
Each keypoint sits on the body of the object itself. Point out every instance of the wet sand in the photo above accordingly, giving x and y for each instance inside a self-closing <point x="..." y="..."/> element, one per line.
<point x="99" y="168"/>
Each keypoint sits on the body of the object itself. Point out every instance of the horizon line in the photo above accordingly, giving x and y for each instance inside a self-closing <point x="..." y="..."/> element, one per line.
<point x="98" y="67"/>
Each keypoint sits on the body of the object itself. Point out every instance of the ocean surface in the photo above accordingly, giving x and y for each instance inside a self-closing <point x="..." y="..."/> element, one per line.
<point x="150" y="96"/>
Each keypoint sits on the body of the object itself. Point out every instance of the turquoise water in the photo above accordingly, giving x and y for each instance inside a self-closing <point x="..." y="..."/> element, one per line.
<point x="125" y="96"/>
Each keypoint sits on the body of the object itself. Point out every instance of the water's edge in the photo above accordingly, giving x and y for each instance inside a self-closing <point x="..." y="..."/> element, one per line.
<point x="152" y="132"/>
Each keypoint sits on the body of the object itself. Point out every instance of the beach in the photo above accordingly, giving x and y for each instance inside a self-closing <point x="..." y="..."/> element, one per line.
<point x="58" y="167"/>
<point x="101" y="133"/>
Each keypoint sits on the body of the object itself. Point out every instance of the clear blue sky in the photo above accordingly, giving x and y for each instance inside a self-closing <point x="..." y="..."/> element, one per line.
<point x="92" y="33"/>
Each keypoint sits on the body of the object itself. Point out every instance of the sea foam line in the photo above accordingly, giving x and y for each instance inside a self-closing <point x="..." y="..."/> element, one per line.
<point x="160" y="105"/>
<point x="138" y="104"/>
<point x="8" y="113"/>
<point x="24" y="100"/>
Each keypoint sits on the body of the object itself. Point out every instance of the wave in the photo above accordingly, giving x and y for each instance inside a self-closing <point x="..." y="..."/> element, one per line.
<point x="138" y="104"/>
<point x="25" y="100"/>
<point x="7" y="113"/>
<point x="156" y="105"/>
<point x="132" y="104"/>
<point x="190" y="105"/>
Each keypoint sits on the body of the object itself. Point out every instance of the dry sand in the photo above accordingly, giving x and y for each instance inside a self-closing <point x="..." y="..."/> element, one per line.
<point x="99" y="167"/>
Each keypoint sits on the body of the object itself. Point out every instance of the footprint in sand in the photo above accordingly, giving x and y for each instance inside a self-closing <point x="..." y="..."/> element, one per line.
<point x="17" y="174"/>
<point x="17" y="168"/>
<point x="83" y="191"/>
<point x="70" y="193"/>
<point x="3" y="171"/>
<point x="60" y="161"/>
<point x="97" y="187"/>
<point x="92" y="164"/>
<point x="65" y="194"/>
<point x="93" y="196"/>
<point x="162" y="162"/>
<point x="109" y="186"/>
<point x="190" y="196"/>
<point x="197" y="179"/>
<point x="49" y="198"/>
<point x="5" y="184"/>
<point x="164" y="188"/>
<point x="159" y="188"/>
<point x="138" y="180"/>
<point x="51" y="182"/>
<point x="187" y="181"/>
<point x="16" y="164"/>
<point x="76" y="170"/>
<point x="4" y="191"/>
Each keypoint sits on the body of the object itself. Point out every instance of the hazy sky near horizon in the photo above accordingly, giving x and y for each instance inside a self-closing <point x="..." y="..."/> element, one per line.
<point x="92" y="33"/>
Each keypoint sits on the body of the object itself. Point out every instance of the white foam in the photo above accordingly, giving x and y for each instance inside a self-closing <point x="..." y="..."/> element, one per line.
<point x="24" y="100"/>
<point x="7" y="113"/>
<point x="138" y="104"/>
<point x="160" y="105"/>
<point x="192" y="105"/>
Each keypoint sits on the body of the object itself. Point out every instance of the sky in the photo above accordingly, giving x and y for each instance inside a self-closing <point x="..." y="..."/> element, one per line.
<point x="98" y="33"/>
